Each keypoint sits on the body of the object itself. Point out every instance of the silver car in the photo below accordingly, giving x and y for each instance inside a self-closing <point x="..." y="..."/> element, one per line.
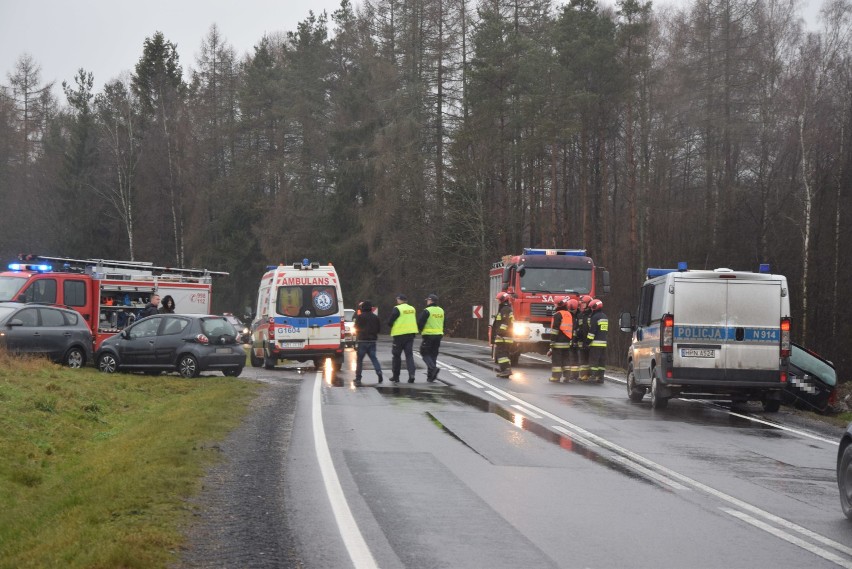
<point x="60" y="334"/>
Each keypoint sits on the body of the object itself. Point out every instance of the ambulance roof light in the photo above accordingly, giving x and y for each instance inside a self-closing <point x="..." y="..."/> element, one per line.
<point x="306" y="262"/>
<point x="764" y="268"/>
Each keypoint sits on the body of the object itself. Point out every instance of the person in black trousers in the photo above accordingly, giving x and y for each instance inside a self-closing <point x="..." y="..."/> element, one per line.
<point x="367" y="328"/>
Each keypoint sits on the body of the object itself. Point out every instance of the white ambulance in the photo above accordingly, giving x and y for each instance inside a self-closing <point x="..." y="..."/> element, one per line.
<point x="710" y="334"/>
<point x="299" y="316"/>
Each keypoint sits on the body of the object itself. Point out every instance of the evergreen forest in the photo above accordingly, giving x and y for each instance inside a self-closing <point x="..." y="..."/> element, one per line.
<point x="413" y="143"/>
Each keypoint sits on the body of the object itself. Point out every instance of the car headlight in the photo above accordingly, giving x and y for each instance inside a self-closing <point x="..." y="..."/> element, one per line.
<point x="520" y="329"/>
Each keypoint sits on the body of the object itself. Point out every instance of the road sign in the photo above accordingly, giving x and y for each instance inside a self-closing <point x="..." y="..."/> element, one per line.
<point x="477" y="311"/>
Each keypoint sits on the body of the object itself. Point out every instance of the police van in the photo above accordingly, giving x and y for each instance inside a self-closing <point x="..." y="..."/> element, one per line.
<point x="709" y="335"/>
<point x="299" y="316"/>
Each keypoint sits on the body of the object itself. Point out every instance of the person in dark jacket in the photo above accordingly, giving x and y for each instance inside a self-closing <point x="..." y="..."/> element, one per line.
<point x="167" y="305"/>
<point x="596" y="339"/>
<point x="430" y="323"/>
<point x="367" y="328"/>
<point x="152" y="308"/>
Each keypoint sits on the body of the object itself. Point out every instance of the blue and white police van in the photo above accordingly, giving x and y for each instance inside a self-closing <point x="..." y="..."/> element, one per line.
<point x="709" y="334"/>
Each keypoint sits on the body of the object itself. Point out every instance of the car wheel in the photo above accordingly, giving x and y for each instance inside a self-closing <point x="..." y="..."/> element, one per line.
<point x="188" y="366"/>
<point x="107" y="363"/>
<point x="75" y="358"/>
<point x="657" y="400"/>
<point x="844" y="480"/>
<point x="771" y="405"/>
<point x="233" y="372"/>
<point x="634" y="393"/>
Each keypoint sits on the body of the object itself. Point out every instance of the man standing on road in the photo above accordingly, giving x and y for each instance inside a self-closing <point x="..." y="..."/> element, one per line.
<point x="581" y="334"/>
<point x="403" y="325"/>
<point x="367" y="332"/>
<point x="152" y="308"/>
<point x="431" y="326"/>
<point x="596" y="339"/>
<point x="561" y="335"/>
<point x="501" y="333"/>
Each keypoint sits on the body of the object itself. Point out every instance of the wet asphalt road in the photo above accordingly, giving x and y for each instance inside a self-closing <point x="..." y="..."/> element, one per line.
<point x="476" y="471"/>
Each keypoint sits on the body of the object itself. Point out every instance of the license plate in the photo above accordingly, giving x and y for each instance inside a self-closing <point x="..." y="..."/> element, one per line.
<point x="223" y="350"/>
<point x="697" y="353"/>
<point x="291" y="344"/>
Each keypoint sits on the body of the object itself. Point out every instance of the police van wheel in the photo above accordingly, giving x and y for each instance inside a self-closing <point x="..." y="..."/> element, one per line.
<point x="771" y="405"/>
<point x="634" y="393"/>
<point x="657" y="400"/>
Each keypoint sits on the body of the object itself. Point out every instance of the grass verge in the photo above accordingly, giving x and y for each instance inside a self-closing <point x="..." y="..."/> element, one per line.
<point x="95" y="469"/>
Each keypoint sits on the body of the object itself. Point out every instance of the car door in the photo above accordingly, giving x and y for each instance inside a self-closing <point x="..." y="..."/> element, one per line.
<point x="22" y="331"/>
<point x="54" y="336"/>
<point x="169" y="339"/>
<point x="137" y="348"/>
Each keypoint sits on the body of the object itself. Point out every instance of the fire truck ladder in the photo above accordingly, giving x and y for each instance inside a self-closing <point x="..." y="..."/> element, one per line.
<point x="98" y="265"/>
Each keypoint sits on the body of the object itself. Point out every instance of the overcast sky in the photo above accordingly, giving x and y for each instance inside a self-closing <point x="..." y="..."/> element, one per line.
<point x="106" y="36"/>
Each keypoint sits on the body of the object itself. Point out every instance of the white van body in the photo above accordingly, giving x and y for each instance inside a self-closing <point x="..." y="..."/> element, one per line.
<point x="299" y="316"/>
<point x="710" y="334"/>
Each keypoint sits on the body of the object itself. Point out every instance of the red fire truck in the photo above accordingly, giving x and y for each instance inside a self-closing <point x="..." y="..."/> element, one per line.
<point x="536" y="279"/>
<point x="109" y="294"/>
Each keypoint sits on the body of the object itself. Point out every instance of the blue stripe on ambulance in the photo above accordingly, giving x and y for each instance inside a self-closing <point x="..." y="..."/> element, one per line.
<point x="305" y="322"/>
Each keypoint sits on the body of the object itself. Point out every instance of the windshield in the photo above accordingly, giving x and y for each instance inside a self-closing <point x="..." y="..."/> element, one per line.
<point x="556" y="280"/>
<point x="9" y="286"/>
<point x="306" y="301"/>
<point x="813" y="365"/>
<point x="5" y="311"/>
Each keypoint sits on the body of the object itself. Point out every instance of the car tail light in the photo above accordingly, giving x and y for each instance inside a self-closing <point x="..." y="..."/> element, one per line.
<point x="785" y="337"/>
<point x="202" y="339"/>
<point x="667" y="334"/>
<point x="832" y="399"/>
<point x="783" y="377"/>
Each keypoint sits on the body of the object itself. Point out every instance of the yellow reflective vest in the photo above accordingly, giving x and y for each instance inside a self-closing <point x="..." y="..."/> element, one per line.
<point x="406" y="322"/>
<point x="435" y="324"/>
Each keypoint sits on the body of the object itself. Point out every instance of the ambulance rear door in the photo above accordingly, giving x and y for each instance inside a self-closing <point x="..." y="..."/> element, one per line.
<point x="312" y="317"/>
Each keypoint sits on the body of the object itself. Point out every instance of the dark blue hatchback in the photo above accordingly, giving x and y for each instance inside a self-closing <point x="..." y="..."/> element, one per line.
<point x="186" y="343"/>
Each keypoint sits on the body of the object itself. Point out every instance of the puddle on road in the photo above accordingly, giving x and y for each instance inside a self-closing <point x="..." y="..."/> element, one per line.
<point x="462" y="398"/>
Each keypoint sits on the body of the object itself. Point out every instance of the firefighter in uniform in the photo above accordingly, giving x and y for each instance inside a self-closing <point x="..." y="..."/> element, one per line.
<point x="596" y="339"/>
<point x="561" y="335"/>
<point x="581" y="333"/>
<point x="403" y="325"/>
<point x="501" y="333"/>
<point x="573" y="306"/>
<point x="431" y="326"/>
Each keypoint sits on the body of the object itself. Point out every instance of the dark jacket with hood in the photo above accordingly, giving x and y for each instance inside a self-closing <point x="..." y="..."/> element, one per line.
<point x="367" y="324"/>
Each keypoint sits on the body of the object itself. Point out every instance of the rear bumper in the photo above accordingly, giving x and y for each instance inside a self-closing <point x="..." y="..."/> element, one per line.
<point x="305" y="354"/>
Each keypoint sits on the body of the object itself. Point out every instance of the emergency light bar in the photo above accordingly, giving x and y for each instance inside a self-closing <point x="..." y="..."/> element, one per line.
<point x="653" y="273"/>
<point x="764" y="268"/>
<point x="28" y="267"/>
<point x="567" y="252"/>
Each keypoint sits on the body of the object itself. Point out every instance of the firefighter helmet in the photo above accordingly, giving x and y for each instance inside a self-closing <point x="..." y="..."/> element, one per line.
<point x="585" y="299"/>
<point x="572" y="305"/>
<point x="595" y="305"/>
<point x="562" y="303"/>
<point x="503" y="297"/>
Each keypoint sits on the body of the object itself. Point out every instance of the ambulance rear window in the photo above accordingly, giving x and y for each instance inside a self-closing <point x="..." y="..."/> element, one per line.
<point x="306" y="301"/>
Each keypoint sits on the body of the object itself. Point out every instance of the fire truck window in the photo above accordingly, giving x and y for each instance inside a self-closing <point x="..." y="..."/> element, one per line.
<point x="289" y="300"/>
<point x="42" y="290"/>
<point x="74" y="293"/>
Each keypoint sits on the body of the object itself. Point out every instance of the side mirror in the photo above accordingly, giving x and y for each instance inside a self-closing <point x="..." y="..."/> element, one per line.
<point x="522" y="270"/>
<point x="605" y="281"/>
<point x="625" y="322"/>
<point x="15" y="322"/>
<point x="124" y="334"/>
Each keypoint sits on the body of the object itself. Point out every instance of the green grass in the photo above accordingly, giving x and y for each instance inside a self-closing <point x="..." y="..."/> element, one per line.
<point x="96" y="469"/>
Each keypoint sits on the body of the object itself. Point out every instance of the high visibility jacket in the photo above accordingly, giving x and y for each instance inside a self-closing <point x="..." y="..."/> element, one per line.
<point x="561" y="329"/>
<point x="406" y="322"/>
<point x="435" y="323"/>
<point x="598" y="327"/>
<point x="501" y="329"/>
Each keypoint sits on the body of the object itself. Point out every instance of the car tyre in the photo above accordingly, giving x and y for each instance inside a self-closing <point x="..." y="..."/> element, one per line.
<point x="268" y="363"/>
<point x="634" y="393"/>
<point x="74" y="358"/>
<point x="255" y="361"/>
<point x="107" y="363"/>
<point x="657" y="400"/>
<point x="188" y="366"/>
<point x="771" y="405"/>
<point x="844" y="480"/>
<point x="233" y="372"/>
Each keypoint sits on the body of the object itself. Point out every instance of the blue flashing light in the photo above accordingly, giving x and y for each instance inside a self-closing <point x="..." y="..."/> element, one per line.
<point x="44" y="268"/>
<point x="26" y="267"/>
<point x="653" y="273"/>
<point x="567" y="252"/>
<point x="764" y="268"/>
<point x="306" y="262"/>
<point x="681" y="266"/>
<point x="271" y="267"/>
<point x="15" y="267"/>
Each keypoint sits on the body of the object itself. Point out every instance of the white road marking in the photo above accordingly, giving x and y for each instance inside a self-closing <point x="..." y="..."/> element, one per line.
<point x="574" y="436"/>
<point x="676" y="475"/>
<point x="789" y="538"/>
<point x="473" y="383"/>
<point x="495" y="395"/>
<point x="527" y="411"/>
<point x="650" y="473"/>
<point x="357" y="548"/>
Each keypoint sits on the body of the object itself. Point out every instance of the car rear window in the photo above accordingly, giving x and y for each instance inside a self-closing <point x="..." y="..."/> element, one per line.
<point x="813" y="365"/>
<point x="217" y="328"/>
